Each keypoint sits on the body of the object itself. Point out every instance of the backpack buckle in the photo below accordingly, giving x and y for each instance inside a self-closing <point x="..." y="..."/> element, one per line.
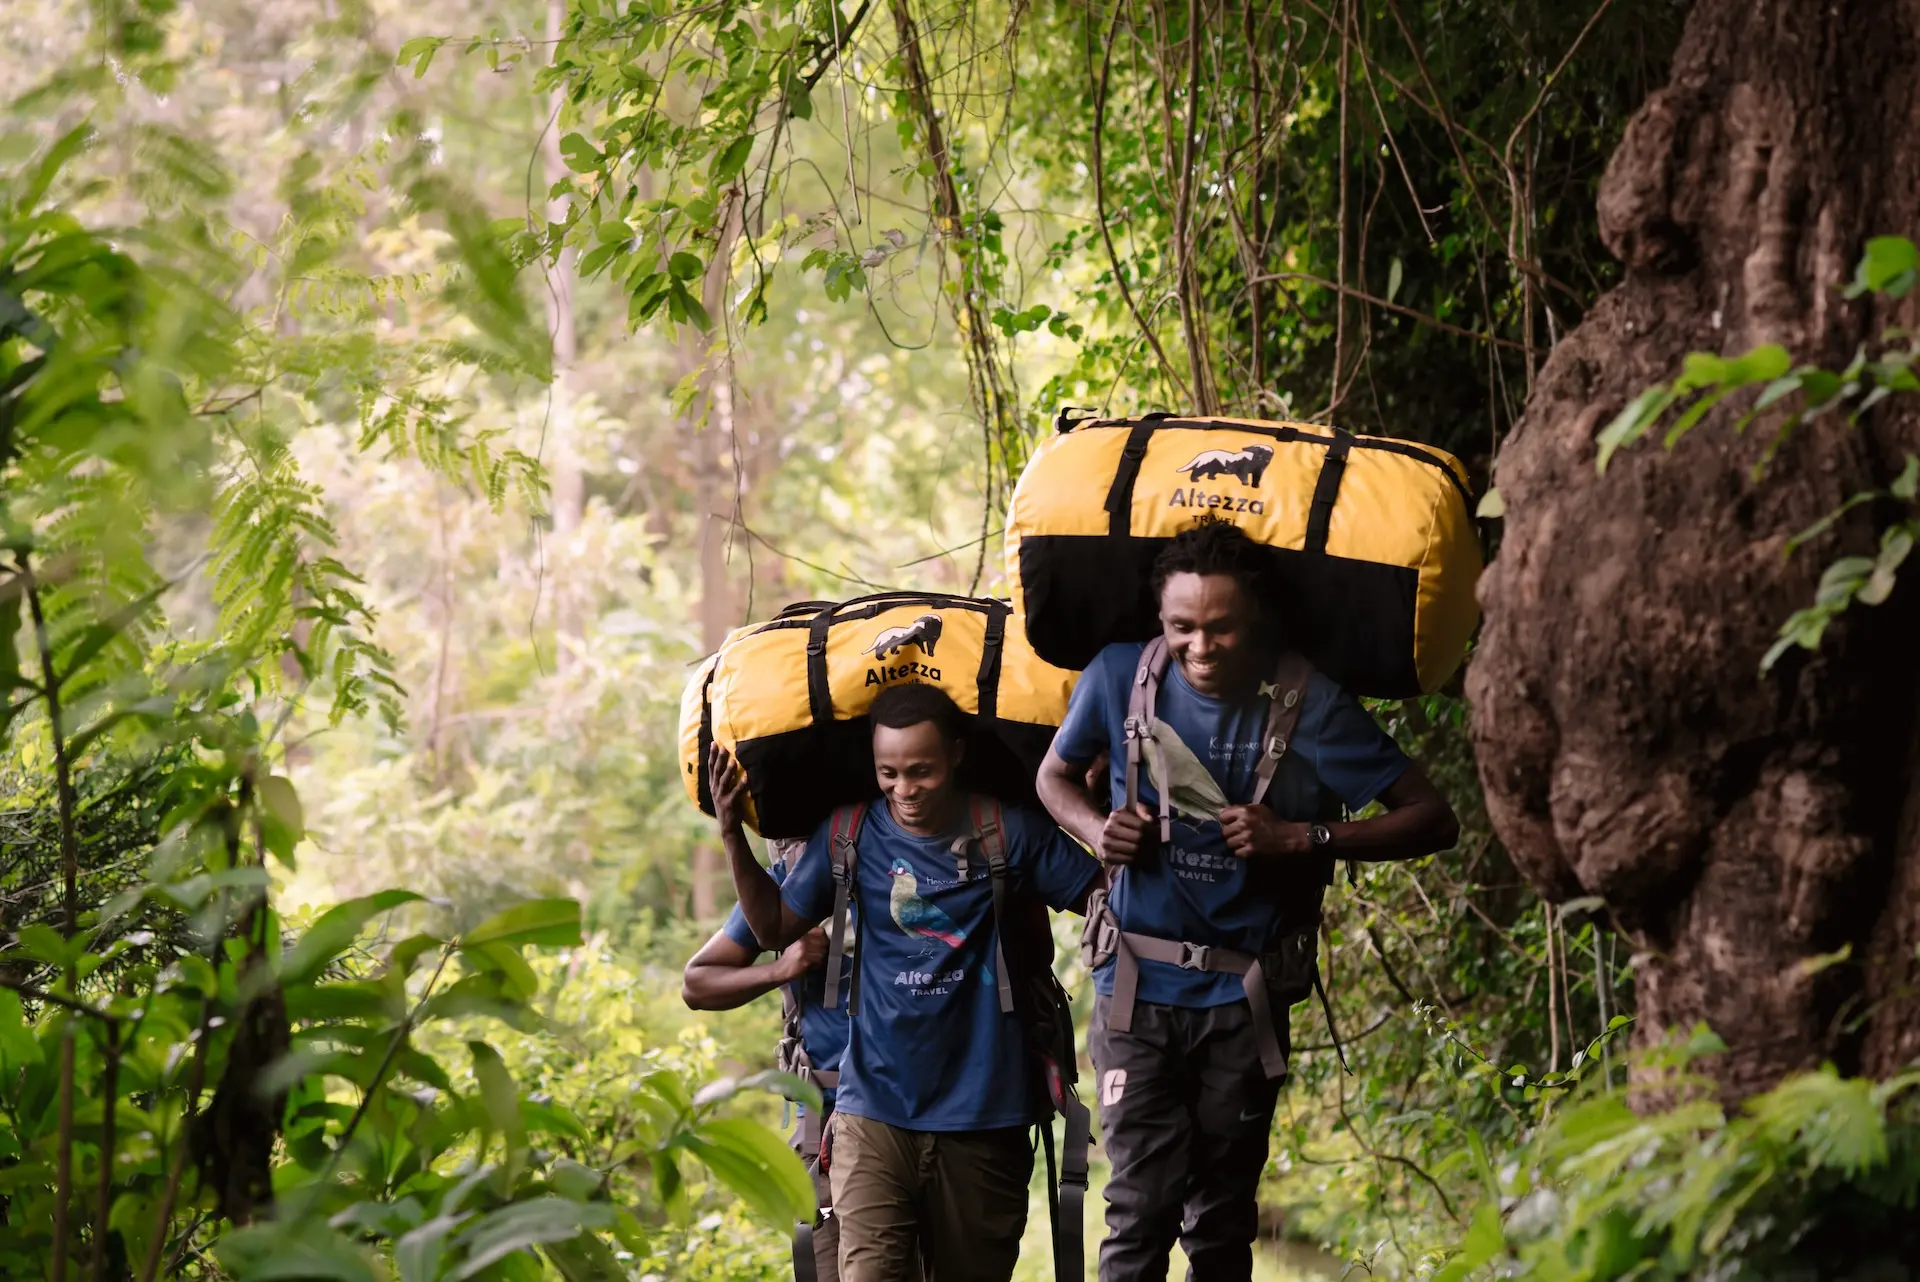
<point x="1277" y="747"/>
<point x="1135" y="728"/>
<point x="1194" y="956"/>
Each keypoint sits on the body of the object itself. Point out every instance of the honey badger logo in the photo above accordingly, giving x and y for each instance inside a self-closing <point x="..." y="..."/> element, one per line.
<point x="923" y="632"/>
<point x="1249" y="463"/>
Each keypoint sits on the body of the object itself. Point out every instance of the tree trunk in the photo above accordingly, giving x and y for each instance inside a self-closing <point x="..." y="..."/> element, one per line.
<point x="1740" y="827"/>
<point x="716" y="494"/>
<point x="568" y="490"/>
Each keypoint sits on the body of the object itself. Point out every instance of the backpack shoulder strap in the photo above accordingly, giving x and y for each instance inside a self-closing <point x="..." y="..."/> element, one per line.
<point x="990" y="835"/>
<point x="1288" y="693"/>
<point x="1142" y="697"/>
<point x="843" y="849"/>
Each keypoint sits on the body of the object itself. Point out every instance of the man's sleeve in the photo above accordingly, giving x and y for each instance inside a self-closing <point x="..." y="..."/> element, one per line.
<point x="1055" y="866"/>
<point x="736" y="929"/>
<point x="1085" y="734"/>
<point x="1353" y="755"/>
<point x="808" y="889"/>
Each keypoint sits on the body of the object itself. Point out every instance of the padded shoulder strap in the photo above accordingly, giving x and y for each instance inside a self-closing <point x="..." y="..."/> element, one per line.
<point x="990" y="834"/>
<point x="843" y="848"/>
<point x="1287" y="695"/>
<point x="1142" y="697"/>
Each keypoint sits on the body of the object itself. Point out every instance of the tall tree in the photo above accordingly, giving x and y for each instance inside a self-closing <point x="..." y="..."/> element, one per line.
<point x="1747" y="830"/>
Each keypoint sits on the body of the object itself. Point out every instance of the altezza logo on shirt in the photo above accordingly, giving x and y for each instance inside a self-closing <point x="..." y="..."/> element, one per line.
<point x="1248" y="463"/>
<point x="923" y="634"/>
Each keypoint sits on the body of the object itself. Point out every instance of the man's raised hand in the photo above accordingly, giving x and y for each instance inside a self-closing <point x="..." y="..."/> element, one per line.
<point x="1255" y="832"/>
<point x="728" y="783"/>
<point x="1129" y="834"/>
<point x="803" y="954"/>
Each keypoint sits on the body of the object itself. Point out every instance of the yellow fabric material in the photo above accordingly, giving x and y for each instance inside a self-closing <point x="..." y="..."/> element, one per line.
<point x="1391" y="509"/>
<point x="759" y="675"/>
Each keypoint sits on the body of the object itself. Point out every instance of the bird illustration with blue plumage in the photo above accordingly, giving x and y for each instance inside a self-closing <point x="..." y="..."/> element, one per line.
<point x="915" y="916"/>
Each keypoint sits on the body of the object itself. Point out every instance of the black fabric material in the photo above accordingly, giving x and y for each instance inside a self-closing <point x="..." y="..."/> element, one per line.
<point x="1406" y="449"/>
<point x="1120" y="493"/>
<point x="1353" y="619"/>
<point x="1326" y="491"/>
<point x="992" y="645"/>
<point x="799" y="776"/>
<point x="703" y="777"/>
<point x="1186" y="1127"/>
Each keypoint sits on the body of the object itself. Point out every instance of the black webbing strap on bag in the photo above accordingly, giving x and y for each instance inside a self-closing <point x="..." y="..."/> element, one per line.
<point x="1069" y="1246"/>
<point x="992" y="646"/>
<point x="803" y="1270"/>
<point x="1326" y="491"/>
<point x="843" y="848"/>
<point x="1120" y="493"/>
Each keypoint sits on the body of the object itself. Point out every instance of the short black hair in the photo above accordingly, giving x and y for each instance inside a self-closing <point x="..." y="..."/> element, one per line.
<point x="898" y="707"/>
<point x="1216" y="547"/>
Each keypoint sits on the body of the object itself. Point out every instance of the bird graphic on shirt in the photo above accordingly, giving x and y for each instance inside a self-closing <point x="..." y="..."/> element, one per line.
<point x="915" y="916"/>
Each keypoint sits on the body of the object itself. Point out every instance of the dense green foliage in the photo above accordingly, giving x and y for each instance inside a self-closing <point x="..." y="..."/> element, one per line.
<point x="394" y="401"/>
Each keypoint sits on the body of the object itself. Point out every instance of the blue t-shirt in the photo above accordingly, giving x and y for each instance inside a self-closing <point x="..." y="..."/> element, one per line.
<point x="823" y="1031"/>
<point x="930" y="1050"/>
<point x="1199" y="891"/>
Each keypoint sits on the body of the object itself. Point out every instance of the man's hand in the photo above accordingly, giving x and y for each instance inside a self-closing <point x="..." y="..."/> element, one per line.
<point x="1129" y="835"/>
<point x="803" y="954"/>
<point x="728" y="783"/>
<point x="1255" y="832"/>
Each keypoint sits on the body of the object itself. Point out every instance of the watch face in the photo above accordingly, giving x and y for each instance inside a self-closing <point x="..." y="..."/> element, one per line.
<point x="1321" y="835"/>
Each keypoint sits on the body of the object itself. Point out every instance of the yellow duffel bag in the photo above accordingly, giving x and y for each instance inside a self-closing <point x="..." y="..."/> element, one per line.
<point x="788" y="698"/>
<point x="1375" y="552"/>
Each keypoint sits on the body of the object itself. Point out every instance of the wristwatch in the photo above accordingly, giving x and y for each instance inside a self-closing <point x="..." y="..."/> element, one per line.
<point x="1320" y="835"/>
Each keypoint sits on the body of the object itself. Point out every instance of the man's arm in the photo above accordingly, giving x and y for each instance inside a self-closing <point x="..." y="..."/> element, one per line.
<point x="725" y="974"/>
<point x="773" y="923"/>
<point x="1118" y="838"/>
<point x="1418" y="822"/>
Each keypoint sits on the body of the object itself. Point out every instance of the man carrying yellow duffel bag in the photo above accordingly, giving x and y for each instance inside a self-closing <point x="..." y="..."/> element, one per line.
<point x="1232" y="762"/>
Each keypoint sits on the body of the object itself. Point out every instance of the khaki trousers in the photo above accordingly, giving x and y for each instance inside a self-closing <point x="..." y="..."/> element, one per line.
<point x="956" y="1200"/>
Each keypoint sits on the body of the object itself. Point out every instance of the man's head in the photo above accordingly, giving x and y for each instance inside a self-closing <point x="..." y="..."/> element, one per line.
<point x="1211" y="586"/>
<point x="919" y="739"/>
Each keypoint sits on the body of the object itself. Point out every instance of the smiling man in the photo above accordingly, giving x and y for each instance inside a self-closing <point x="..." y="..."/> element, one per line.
<point x="927" y="1151"/>
<point x="1207" y="935"/>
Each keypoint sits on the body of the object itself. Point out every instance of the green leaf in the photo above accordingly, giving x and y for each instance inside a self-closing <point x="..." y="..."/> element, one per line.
<point x="733" y="159"/>
<point x="44" y="943"/>
<point x="523" y="1225"/>
<point x="305" y="1250"/>
<point x="283" y="822"/>
<point x="685" y="266"/>
<point x="498" y="1095"/>
<point x="18" y="1046"/>
<point x="581" y="156"/>
<point x="1907" y="484"/>
<point x="1895" y="543"/>
<point x="758" y="1165"/>
<point x="549" y="923"/>
<point x="1631" y="423"/>
<point x="419" y="52"/>
<point x="1886" y="267"/>
<point x="686" y="308"/>
<point x="517" y="978"/>
<point x="1395" y="270"/>
<point x="334" y="932"/>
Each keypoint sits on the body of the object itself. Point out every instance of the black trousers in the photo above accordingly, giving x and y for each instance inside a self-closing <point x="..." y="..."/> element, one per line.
<point x="1185" y="1115"/>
